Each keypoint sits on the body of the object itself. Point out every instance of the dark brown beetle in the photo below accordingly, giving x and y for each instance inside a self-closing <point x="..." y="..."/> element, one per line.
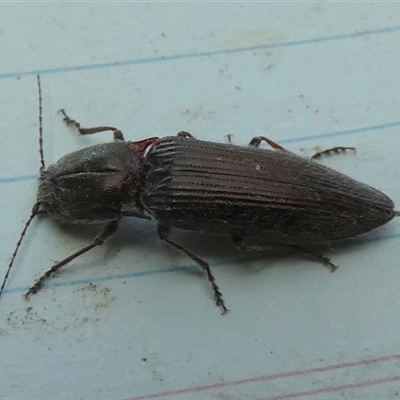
<point x="257" y="197"/>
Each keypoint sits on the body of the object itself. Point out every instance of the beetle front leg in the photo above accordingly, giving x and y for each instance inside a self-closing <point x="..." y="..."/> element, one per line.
<point x="118" y="136"/>
<point x="163" y="233"/>
<point x="109" y="229"/>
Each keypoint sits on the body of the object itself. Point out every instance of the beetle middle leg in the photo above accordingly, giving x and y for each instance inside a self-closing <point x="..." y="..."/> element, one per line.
<point x="109" y="229"/>
<point x="118" y="135"/>
<point x="163" y="233"/>
<point x="242" y="245"/>
<point x="256" y="141"/>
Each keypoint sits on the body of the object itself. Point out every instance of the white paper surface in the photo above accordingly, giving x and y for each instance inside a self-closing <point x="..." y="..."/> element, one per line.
<point x="136" y="320"/>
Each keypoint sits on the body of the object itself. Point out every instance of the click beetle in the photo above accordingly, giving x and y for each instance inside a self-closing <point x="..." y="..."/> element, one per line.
<point x="255" y="196"/>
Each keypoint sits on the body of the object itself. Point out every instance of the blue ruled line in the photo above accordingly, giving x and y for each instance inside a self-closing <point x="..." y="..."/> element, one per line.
<point x="209" y="53"/>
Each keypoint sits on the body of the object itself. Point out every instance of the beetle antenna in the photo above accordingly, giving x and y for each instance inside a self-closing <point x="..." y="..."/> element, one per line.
<point x="35" y="211"/>
<point x="40" y="125"/>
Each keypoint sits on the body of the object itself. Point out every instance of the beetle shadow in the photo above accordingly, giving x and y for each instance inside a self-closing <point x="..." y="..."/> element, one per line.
<point x="140" y="234"/>
<point x="129" y="228"/>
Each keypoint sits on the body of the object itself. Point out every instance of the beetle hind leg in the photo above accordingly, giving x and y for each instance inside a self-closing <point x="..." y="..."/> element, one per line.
<point x="338" y="149"/>
<point x="256" y="141"/>
<point x="163" y="233"/>
<point x="242" y="245"/>
<point x="324" y="260"/>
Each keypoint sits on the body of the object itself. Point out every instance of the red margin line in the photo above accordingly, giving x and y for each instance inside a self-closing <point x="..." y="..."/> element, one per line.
<point x="333" y="389"/>
<point x="263" y="378"/>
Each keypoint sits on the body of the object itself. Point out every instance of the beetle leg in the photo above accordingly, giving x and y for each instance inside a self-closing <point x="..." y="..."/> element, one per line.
<point x="256" y="141"/>
<point x="185" y="135"/>
<point x="333" y="150"/>
<point x="118" y="136"/>
<point x="325" y="260"/>
<point x="243" y="246"/>
<point x="163" y="233"/>
<point x="228" y="137"/>
<point x="109" y="229"/>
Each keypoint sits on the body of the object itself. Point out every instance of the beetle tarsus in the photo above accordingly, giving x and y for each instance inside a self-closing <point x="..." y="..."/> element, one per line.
<point x="69" y="121"/>
<point x="324" y="260"/>
<point x="336" y="150"/>
<point x="118" y="135"/>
